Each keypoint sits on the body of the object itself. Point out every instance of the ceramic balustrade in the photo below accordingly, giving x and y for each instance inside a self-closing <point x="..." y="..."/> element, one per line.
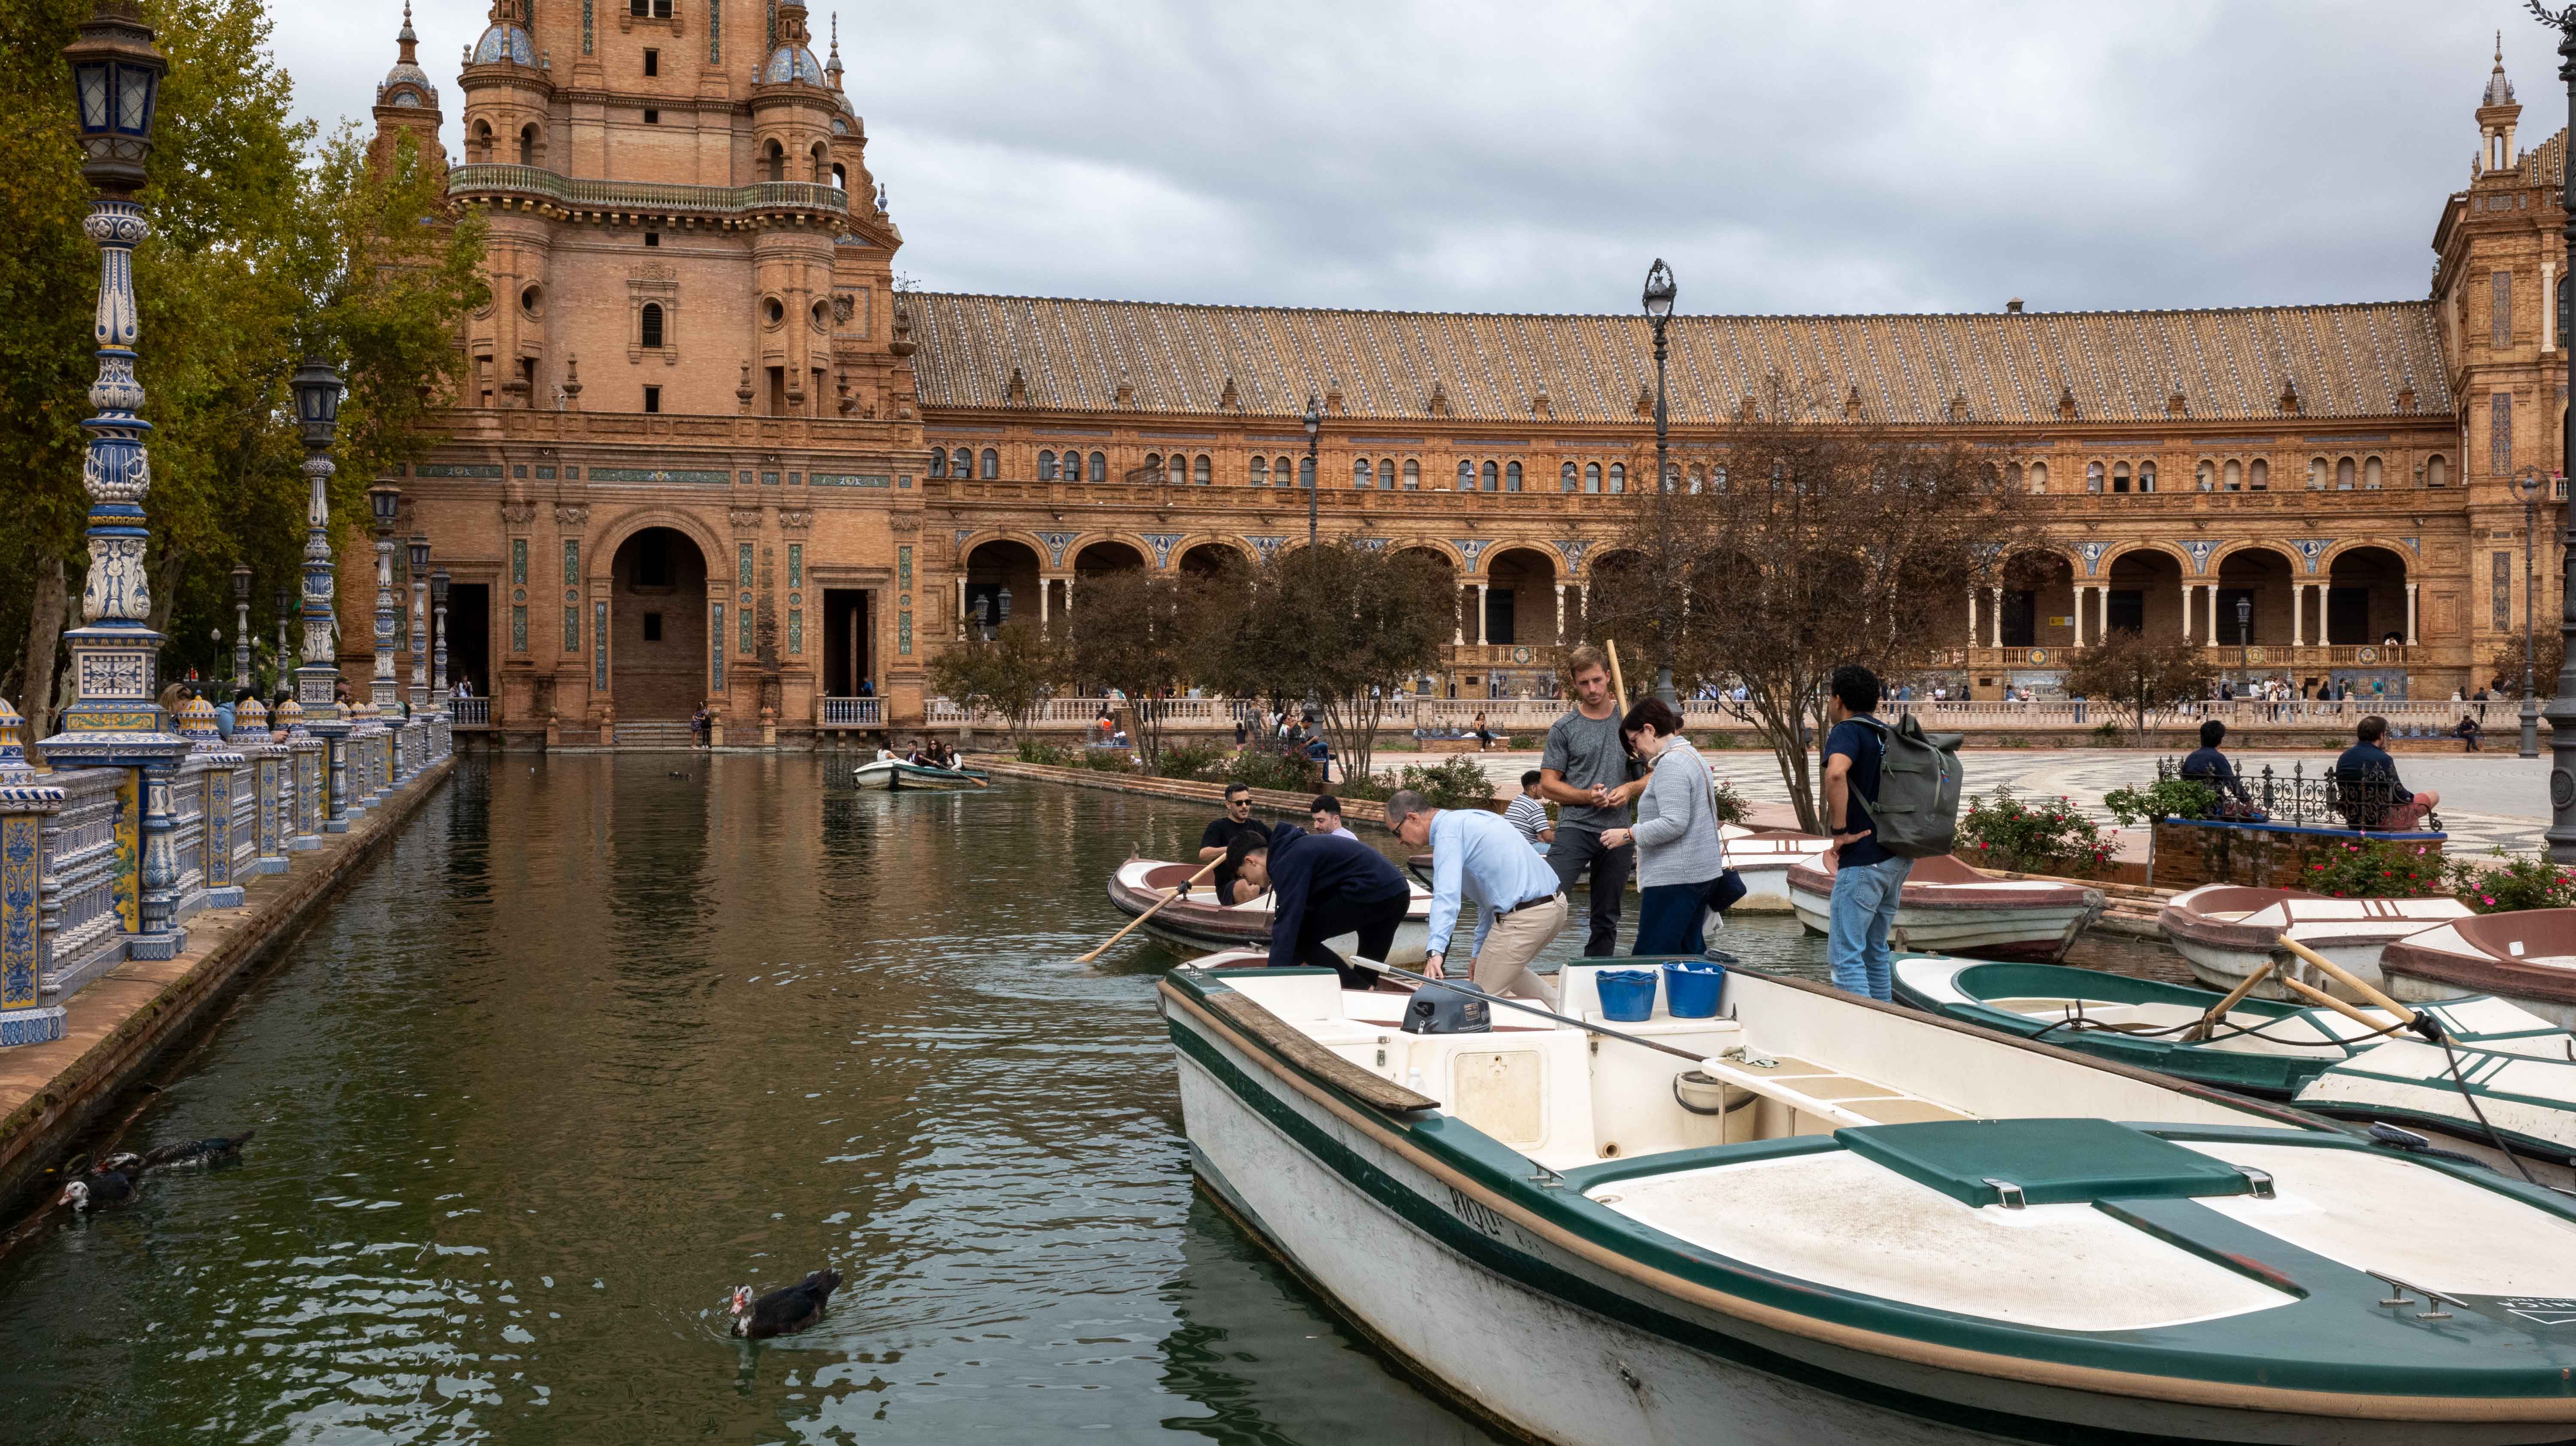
<point x="92" y="864"/>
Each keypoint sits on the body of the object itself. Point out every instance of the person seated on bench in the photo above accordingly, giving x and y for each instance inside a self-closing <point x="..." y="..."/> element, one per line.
<point x="2207" y="765"/>
<point x="2469" y="732"/>
<point x="2372" y="796"/>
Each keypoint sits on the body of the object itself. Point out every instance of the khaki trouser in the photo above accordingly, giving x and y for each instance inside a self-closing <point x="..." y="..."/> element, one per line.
<point x="1516" y="939"/>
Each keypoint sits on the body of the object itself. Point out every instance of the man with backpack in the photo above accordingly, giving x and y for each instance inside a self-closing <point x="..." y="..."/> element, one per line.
<point x="1883" y="817"/>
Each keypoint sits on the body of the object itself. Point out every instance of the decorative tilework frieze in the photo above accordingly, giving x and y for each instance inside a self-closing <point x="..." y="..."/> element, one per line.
<point x="2092" y="554"/>
<point x="742" y="565"/>
<point x="1056" y="543"/>
<point x="795" y="631"/>
<point x="468" y="469"/>
<point x="657" y="474"/>
<point x="599" y="655"/>
<point x="1161" y="542"/>
<point x="518" y="561"/>
<point x="1369" y="544"/>
<point x="2200" y="548"/>
<point x="850" y="479"/>
<point x="2312" y="548"/>
<point x="1470" y="548"/>
<point x="1267" y="546"/>
<point x="518" y="629"/>
<point x="572" y="560"/>
<point x="716" y="647"/>
<point x="796" y="564"/>
<point x="903" y="567"/>
<point x="903" y="633"/>
<point x="1573" y="549"/>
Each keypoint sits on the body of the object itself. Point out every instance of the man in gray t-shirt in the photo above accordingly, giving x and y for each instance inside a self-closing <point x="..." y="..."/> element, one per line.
<point x="1587" y="772"/>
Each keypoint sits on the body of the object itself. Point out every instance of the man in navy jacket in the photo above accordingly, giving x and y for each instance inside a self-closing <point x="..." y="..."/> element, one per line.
<point x="1323" y="886"/>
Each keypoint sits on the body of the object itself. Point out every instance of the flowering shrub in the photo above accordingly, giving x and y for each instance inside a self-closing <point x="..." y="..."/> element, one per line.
<point x="2376" y="870"/>
<point x="2050" y="836"/>
<point x="1728" y="806"/>
<point x="2164" y="798"/>
<point x="2503" y="887"/>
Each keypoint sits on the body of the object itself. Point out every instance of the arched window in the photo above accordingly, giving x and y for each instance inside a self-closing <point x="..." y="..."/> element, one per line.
<point x="1260" y="471"/>
<point x="1099" y="466"/>
<point x="1566" y="479"/>
<point x="1386" y="474"/>
<point x="822" y="163"/>
<point x="481" y="149"/>
<point x="2437" y="472"/>
<point x="774" y="161"/>
<point x="1305" y="471"/>
<point x="2039" y="477"/>
<point x="1200" y="470"/>
<point x="1466" y="476"/>
<point x="527" y="145"/>
<point x="652" y="326"/>
<point x="2119" y="476"/>
<point x="962" y="464"/>
<point x="1618" y="477"/>
<point x="2259" y="476"/>
<point x="840" y="178"/>
<point x="2092" y="476"/>
<point x="2316" y="474"/>
<point x="2372" y="474"/>
<point x="1412" y="474"/>
<point x="1046" y="466"/>
<point x="1154" y="464"/>
<point x="2014" y="476"/>
<point x="1177" y="467"/>
<point x="1591" y="476"/>
<point x="1511" y="476"/>
<point x="2235" y="475"/>
<point x="1493" y="476"/>
<point x="991" y="463"/>
<point x="2205" y="476"/>
<point x="2343" y="474"/>
<point x="938" y="462"/>
<point x="2146" y="476"/>
<point x="1361" y="476"/>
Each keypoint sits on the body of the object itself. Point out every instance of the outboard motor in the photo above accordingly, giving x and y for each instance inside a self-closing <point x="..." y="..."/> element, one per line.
<point x="1439" y="1009"/>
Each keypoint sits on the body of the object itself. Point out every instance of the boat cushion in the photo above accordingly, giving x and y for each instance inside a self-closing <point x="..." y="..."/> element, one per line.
<point x="2055" y="1162"/>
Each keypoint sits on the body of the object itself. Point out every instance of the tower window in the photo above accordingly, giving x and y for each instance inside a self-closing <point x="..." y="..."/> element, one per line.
<point x="652" y="327"/>
<point x="652" y="117"/>
<point x="652" y="62"/>
<point x="652" y="399"/>
<point x="649" y="9"/>
<point x="528" y="145"/>
<point x="652" y="238"/>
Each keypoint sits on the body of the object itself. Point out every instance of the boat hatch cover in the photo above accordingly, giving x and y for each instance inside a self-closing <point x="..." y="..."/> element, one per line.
<point x="2044" y="1162"/>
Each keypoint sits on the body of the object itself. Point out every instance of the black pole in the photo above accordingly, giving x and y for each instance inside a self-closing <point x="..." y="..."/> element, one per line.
<point x="2562" y="707"/>
<point x="2530" y="611"/>
<point x="1663" y="448"/>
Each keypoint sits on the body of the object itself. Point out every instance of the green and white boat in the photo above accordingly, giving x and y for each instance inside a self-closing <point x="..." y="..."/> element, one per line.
<point x="1853" y="1222"/>
<point x="2519" y="1068"/>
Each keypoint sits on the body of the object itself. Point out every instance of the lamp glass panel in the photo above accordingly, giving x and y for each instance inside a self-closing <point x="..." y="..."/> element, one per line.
<point x="135" y="103"/>
<point x="93" y="96"/>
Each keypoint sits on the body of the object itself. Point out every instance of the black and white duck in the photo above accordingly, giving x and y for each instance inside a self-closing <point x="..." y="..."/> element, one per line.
<point x="788" y="1309"/>
<point x="210" y="1150"/>
<point x="101" y="1189"/>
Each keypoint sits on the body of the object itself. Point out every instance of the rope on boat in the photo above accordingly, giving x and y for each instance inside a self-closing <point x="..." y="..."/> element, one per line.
<point x="2080" y="1024"/>
<point x="2433" y="1030"/>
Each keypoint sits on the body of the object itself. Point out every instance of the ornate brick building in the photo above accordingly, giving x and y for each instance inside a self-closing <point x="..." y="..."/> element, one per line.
<point x="709" y="453"/>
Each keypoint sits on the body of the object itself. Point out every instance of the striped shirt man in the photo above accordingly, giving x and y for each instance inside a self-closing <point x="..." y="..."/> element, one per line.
<point x="1528" y="814"/>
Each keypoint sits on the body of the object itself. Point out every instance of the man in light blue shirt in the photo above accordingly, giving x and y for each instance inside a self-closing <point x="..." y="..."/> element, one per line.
<point x="1523" y="906"/>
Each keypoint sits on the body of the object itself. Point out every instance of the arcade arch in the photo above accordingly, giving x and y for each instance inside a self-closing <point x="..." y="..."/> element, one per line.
<point x="658" y="655"/>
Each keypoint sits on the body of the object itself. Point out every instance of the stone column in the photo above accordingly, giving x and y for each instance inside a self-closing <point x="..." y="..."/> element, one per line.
<point x="1972" y="617"/>
<point x="2410" y="606"/>
<point x="1996" y="623"/>
<point x="1560" y="614"/>
<point x="1483" y="638"/>
<point x="2080" y="591"/>
<point x="1458" y="621"/>
<point x="2189" y="601"/>
<point x="2298" y="615"/>
<point x="2213" y="612"/>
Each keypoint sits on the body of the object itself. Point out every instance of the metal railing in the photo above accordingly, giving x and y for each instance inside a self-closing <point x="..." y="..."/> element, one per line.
<point x="2327" y="798"/>
<point x="487" y="179"/>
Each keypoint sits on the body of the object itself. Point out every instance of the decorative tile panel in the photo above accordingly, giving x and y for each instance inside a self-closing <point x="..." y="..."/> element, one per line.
<point x="850" y="479"/>
<point x="657" y="474"/>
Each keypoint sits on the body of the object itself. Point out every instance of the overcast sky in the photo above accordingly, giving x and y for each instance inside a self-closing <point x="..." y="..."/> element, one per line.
<point x="1495" y="156"/>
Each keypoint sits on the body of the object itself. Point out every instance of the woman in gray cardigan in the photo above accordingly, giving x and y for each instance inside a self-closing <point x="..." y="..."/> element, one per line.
<point x="1679" y="852"/>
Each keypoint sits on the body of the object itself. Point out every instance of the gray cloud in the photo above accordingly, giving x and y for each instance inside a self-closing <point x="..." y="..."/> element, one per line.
<point x="1535" y="157"/>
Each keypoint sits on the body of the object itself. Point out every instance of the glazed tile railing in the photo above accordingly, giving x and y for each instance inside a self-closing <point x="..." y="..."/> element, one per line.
<point x="79" y="855"/>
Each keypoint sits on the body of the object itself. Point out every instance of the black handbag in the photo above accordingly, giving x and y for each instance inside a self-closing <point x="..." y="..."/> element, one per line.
<point x="1723" y="891"/>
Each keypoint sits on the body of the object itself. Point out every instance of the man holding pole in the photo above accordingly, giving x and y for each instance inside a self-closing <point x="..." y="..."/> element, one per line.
<point x="1521" y="905"/>
<point x="1220" y="835"/>
<point x="1587" y="773"/>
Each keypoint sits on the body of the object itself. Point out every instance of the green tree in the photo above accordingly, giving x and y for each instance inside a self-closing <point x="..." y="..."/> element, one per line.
<point x="2141" y="677"/>
<point x="1010" y="674"/>
<point x="1135" y="631"/>
<point x="1343" y="624"/>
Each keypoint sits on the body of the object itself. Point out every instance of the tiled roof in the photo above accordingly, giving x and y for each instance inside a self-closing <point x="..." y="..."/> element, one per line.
<point x="2547" y="164"/>
<point x="2345" y="361"/>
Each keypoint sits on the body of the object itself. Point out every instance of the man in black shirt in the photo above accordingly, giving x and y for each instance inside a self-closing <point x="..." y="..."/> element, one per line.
<point x="2373" y="798"/>
<point x="1219" y="836"/>
<point x="2207" y="765"/>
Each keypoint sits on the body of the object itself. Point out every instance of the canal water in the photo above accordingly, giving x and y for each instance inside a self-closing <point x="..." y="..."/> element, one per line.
<point x="598" y="1039"/>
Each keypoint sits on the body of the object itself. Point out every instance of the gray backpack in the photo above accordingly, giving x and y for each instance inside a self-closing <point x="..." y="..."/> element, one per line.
<point x="1916" y="812"/>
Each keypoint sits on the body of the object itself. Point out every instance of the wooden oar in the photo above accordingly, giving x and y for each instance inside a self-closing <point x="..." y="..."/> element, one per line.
<point x="2200" y="1032"/>
<point x="2335" y="971"/>
<point x="1618" y="685"/>
<point x="2338" y="1006"/>
<point x="1204" y="870"/>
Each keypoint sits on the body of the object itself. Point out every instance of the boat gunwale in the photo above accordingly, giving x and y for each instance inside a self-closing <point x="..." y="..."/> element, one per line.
<point x="2016" y="895"/>
<point x="1449" y="1150"/>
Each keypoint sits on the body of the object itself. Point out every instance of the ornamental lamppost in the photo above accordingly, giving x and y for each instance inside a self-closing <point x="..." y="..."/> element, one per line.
<point x="2244" y="657"/>
<point x="284" y="601"/>
<point x="114" y="722"/>
<point x="1659" y="310"/>
<point x="317" y="682"/>
<point x="419" y="623"/>
<point x="2562" y="707"/>
<point x="1314" y="433"/>
<point x="384" y="690"/>
<point x="241" y="627"/>
<point x="2529" y="487"/>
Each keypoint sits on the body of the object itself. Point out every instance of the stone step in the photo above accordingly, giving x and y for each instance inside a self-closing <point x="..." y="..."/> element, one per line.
<point x="655" y="734"/>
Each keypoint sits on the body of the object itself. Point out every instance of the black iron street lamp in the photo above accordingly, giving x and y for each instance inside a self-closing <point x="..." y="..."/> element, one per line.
<point x="2529" y="487"/>
<point x="284" y="601"/>
<point x="1314" y="431"/>
<point x="2562" y="707"/>
<point x="1659" y="310"/>
<point x="2244" y="637"/>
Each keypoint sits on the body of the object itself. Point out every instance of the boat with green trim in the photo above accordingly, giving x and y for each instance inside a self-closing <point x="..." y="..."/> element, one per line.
<point x="2518" y="1068"/>
<point x="894" y="773"/>
<point x="1849" y="1221"/>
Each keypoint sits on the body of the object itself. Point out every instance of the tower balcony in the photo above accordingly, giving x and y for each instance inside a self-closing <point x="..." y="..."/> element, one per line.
<point x="566" y="198"/>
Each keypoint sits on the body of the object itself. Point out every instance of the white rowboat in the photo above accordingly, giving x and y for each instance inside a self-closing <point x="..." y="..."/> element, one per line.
<point x="2227" y="931"/>
<point x="1949" y="907"/>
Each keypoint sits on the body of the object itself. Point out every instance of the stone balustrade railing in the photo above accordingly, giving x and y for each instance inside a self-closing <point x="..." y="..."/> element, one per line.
<point x="75" y="856"/>
<point x="585" y="197"/>
<point x="1524" y="715"/>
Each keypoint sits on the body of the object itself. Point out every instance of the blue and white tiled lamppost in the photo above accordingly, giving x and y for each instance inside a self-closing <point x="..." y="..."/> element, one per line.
<point x="317" y="681"/>
<point x="384" y="691"/>
<point x="114" y="722"/>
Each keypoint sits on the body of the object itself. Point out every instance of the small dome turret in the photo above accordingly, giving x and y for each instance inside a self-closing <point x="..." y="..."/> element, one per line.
<point x="407" y="84"/>
<point x="793" y="60"/>
<point x="506" y="39"/>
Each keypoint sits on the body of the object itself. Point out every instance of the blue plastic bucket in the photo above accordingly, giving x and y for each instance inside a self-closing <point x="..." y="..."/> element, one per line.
<point x="1691" y="988"/>
<point x="1627" y="995"/>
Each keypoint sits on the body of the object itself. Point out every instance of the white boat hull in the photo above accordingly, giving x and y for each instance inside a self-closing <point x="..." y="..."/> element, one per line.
<point x="1440" y="1280"/>
<point x="2024" y="932"/>
<point x="2221" y="967"/>
<point x="1766" y="887"/>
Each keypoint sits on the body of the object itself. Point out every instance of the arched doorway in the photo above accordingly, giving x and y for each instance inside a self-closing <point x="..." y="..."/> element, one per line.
<point x="2260" y="578"/>
<point x="2142" y="594"/>
<point x="2039" y="600"/>
<point x="1520" y="598"/>
<point x="658" y="652"/>
<point x="2366" y="598"/>
<point x="1001" y="584"/>
<point x="1207" y="559"/>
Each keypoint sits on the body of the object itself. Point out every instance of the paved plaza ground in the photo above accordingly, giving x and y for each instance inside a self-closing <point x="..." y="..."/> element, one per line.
<point x="2489" y="800"/>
